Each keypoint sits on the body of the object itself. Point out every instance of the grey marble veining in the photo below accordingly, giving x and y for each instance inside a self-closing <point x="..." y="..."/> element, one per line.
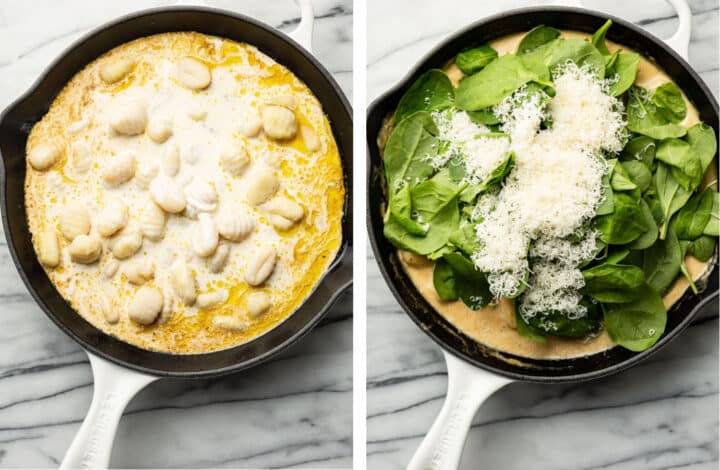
<point x="662" y="414"/>
<point x="295" y="411"/>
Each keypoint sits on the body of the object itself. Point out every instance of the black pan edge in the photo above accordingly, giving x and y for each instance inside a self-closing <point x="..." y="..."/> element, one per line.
<point x="16" y="121"/>
<point x="442" y="332"/>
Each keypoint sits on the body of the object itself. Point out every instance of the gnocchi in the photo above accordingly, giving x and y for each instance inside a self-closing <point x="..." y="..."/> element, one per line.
<point x="115" y="70"/>
<point x="140" y="271"/>
<point x="250" y="123"/>
<point x="261" y="266"/>
<point x="171" y="160"/>
<point x="200" y="196"/>
<point x="159" y="128"/>
<point x="205" y="239"/>
<point x="105" y="306"/>
<point x="110" y="268"/>
<point x="121" y="169"/>
<point x="278" y="122"/>
<point x="192" y="74"/>
<point x="219" y="259"/>
<point x="258" y="304"/>
<point x="112" y="218"/>
<point x="234" y="159"/>
<point x="228" y="323"/>
<point x="128" y="118"/>
<point x="183" y="282"/>
<point x="44" y="155"/>
<point x="310" y="137"/>
<point x="234" y="226"/>
<point x="126" y="243"/>
<point x="145" y="306"/>
<point x="81" y="159"/>
<point x="283" y="213"/>
<point x="152" y="221"/>
<point x="167" y="195"/>
<point x="263" y="185"/>
<point x="74" y="220"/>
<point x="85" y="249"/>
<point x="211" y="299"/>
<point x="145" y="174"/>
<point x="48" y="248"/>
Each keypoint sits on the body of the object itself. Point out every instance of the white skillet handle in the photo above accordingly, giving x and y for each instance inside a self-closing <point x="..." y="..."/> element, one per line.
<point x="468" y="388"/>
<point x="113" y="389"/>
<point x="680" y="41"/>
<point x="304" y="31"/>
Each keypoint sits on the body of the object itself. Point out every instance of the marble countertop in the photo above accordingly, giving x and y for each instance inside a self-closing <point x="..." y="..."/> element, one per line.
<point x="663" y="414"/>
<point x="295" y="411"/>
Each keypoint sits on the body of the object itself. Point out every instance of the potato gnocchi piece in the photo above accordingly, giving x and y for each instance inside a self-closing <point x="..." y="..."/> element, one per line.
<point x="234" y="226"/>
<point x="74" y="220"/>
<point x="279" y="122"/>
<point x="85" y="249"/>
<point x="234" y="159"/>
<point x="250" y="123"/>
<point x="201" y="197"/>
<point x="263" y="185"/>
<point x="119" y="170"/>
<point x="205" y="238"/>
<point x="167" y="194"/>
<point x="81" y="158"/>
<point x="261" y="265"/>
<point x="258" y="304"/>
<point x="77" y="127"/>
<point x="139" y="272"/>
<point x="145" y="174"/>
<point x="286" y="101"/>
<point x="168" y="306"/>
<point x="126" y="243"/>
<point x="159" y="128"/>
<point x="46" y="154"/>
<point x="110" y="268"/>
<point x="152" y="221"/>
<point x="103" y="304"/>
<point x="192" y="74"/>
<point x="116" y="69"/>
<point x="48" y="248"/>
<point x="219" y="259"/>
<point x="183" y="282"/>
<point x="171" y="160"/>
<point x="128" y="118"/>
<point x="112" y="218"/>
<point x="310" y="137"/>
<point x="211" y="299"/>
<point x="284" y="213"/>
<point x="145" y="306"/>
<point x="228" y="323"/>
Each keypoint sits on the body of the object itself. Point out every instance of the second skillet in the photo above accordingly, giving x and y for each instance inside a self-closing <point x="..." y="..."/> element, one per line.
<point x="120" y="369"/>
<point x="476" y="371"/>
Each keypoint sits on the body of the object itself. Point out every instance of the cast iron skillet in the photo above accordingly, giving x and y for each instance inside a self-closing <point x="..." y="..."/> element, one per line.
<point x="19" y="118"/>
<point x="468" y="386"/>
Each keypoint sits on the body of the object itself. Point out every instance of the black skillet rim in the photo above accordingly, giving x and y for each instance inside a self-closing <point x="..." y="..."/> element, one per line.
<point x="340" y="267"/>
<point x="489" y="360"/>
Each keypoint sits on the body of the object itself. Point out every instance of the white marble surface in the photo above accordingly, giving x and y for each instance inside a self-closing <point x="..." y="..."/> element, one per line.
<point x="663" y="414"/>
<point x="295" y="411"/>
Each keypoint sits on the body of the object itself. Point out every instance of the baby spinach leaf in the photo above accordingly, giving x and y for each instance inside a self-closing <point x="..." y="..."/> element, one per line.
<point x="554" y="323"/>
<point x="669" y="101"/>
<point x="536" y="37"/>
<point x="624" y="68"/>
<point x="598" y="38"/>
<point x="661" y="262"/>
<point x="617" y="256"/>
<point x="401" y="210"/>
<point x="670" y="194"/>
<point x="559" y="51"/>
<point x="464" y="239"/>
<point x="641" y="148"/>
<point x="471" y="285"/>
<point x="484" y="117"/>
<point x="624" y="224"/>
<point x="620" y="179"/>
<point x="694" y="216"/>
<point x="703" y="248"/>
<point x="409" y="150"/>
<point x="703" y="143"/>
<point x="647" y="239"/>
<point x="472" y="60"/>
<point x="613" y="283"/>
<point x="644" y="118"/>
<point x="444" y="281"/>
<point x="526" y="331"/>
<point x="432" y="90"/>
<point x="607" y="206"/>
<point x="435" y="202"/>
<point x="713" y="226"/>
<point x="636" y="325"/>
<point x="638" y="173"/>
<point x="686" y="166"/>
<point x="495" y="177"/>
<point x="655" y="209"/>
<point x="684" y="244"/>
<point x="490" y="85"/>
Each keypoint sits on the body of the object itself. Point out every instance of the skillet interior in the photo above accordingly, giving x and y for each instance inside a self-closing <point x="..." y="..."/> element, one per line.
<point x="19" y="118"/>
<point x="433" y="324"/>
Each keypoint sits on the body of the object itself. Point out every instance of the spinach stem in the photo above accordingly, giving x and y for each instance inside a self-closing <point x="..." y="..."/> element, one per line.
<point x="687" y="275"/>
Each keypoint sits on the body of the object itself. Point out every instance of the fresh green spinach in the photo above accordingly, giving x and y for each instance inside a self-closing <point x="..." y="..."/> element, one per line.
<point x="613" y="283"/>
<point x="694" y="216"/>
<point x="431" y="91"/>
<point x="641" y="148"/>
<point x="409" y="150"/>
<point x="661" y="262"/>
<point x="644" y="118"/>
<point x="624" y="224"/>
<point x="598" y="38"/>
<point x="670" y="195"/>
<point x="670" y="103"/>
<point x="624" y="69"/>
<point x="647" y="239"/>
<point x="536" y="37"/>
<point x="636" y="325"/>
<point x="472" y="60"/>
